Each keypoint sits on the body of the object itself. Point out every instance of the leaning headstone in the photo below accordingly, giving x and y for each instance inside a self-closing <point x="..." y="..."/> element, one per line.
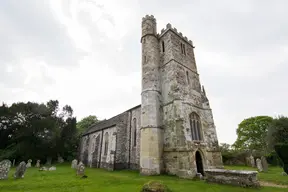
<point x="29" y="163"/>
<point x="252" y="161"/>
<point x="37" y="164"/>
<point x="284" y="174"/>
<point x="4" y="169"/>
<point x="60" y="159"/>
<point x="20" y="170"/>
<point x="74" y="164"/>
<point x="264" y="164"/>
<point x="259" y="165"/>
<point x="80" y="169"/>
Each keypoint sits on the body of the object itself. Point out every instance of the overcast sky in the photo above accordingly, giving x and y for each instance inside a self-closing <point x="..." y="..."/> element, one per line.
<point x="86" y="53"/>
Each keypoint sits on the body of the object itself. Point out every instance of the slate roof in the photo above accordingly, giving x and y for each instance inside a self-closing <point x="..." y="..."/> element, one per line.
<point x="108" y="123"/>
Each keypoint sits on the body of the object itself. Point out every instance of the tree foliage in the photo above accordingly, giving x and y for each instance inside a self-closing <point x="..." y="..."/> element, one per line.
<point x="86" y="122"/>
<point x="252" y="133"/>
<point x="277" y="139"/>
<point x="37" y="131"/>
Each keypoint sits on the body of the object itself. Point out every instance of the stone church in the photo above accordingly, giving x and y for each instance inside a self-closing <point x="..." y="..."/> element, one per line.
<point x="173" y="130"/>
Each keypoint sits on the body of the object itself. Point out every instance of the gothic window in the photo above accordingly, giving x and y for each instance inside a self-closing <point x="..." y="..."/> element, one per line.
<point x="195" y="124"/>
<point x="106" y="139"/>
<point x="134" y="132"/>
<point x="163" y="47"/>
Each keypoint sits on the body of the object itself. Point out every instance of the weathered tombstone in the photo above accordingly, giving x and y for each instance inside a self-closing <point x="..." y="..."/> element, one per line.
<point x="264" y="164"/>
<point x="37" y="164"/>
<point x="20" y="170"/>
<point x="43" y="169"/>
<point x="259" y="165"/>
<point x="74" y="164"/>
<point x="80" y="169"/>
<point x="4" y="169"/>
<point x="29" y="163"/>
<point x="284" y="174"/>
<point x="252" y="161"/>
<point x="48" y="161"/>
<point x="60" y="159"/>
<point x="52" y="168"/>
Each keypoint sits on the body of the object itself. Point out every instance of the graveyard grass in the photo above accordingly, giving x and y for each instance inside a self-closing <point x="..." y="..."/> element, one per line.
<point x="64" y="179"/>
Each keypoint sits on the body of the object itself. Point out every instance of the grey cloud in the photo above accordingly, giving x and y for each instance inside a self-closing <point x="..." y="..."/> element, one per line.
<point x="28" y="28"/>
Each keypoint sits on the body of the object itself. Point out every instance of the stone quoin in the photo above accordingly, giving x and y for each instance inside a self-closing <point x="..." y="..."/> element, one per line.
<point x="173" y="130"/>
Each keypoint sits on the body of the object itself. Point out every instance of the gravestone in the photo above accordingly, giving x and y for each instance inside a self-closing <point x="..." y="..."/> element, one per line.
<point x="4" y="169"/>
<point x="29" y="163"/>
<point x="252" y="161"/>
<point x="74" y="164"/>
<point x="80" y="169"/>
<point x="48" y="161"/>
<point x="37" y="164"/>
<point x="264" y="164"/>
<point x="20" y="170"/>
<point x="60" y="159"/>
<point x="259" y="165"/>
<point x="52" y="168"/>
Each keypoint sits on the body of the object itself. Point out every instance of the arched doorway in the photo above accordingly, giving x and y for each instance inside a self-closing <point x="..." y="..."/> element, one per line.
<point x="199" y="163"/>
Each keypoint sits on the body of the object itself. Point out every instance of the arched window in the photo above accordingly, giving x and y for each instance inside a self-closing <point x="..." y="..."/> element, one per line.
<point x="106" y="138"/>
<point x="195" y="124"/>
<point x="134" y="132"/>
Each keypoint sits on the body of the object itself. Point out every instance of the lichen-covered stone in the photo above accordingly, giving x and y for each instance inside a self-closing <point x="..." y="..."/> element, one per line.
<point x="155" y="186"/>
<point x="20" y="170"/>
<point x="4" y="169"/>
<point x="162" y="125"/>
<point x="232" y="177"/>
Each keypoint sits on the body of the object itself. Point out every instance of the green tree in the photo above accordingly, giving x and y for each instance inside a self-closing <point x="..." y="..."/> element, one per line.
<point x="252" y="133"/>
<point x="277" y="139"/>
<point x="86" y="122"/>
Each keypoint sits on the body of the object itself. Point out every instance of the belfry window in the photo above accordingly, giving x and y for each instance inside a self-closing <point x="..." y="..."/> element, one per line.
<point x="183" y="50"/>
<point x="195" y="124"/>
<point x="134" y="132"/>
<point x="106" y="137"/>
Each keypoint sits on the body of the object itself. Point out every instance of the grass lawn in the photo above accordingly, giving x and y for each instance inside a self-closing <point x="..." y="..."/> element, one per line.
<point x="64" y="179"/>
<point x="273" y="175"/>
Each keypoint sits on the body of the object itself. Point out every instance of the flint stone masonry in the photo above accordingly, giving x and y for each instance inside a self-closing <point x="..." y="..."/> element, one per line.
<point x="232" y="177"/>
<point x="4" y="169"/>
<point x="158" y="136"/>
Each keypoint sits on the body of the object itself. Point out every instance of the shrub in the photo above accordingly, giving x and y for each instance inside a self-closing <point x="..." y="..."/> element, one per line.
<point x="155" y="186"/>
<point x="281" y="150"/>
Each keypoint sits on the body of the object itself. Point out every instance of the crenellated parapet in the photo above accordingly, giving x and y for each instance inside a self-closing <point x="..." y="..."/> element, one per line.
<point x="169" y="27"/>
<point x="149" y="17"/>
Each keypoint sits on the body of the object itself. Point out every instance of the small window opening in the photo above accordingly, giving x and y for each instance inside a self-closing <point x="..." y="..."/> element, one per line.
<point x="163" y="47"/>
<point x="187" y="76"/>
<point x="135" y="132"/>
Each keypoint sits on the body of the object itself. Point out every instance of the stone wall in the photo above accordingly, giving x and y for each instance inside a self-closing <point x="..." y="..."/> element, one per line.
<point x="135" y="149"/>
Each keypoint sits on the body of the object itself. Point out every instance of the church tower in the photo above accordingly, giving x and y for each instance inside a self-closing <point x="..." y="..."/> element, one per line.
<point x="151" y="140"/>
<point x="178" y="135"/>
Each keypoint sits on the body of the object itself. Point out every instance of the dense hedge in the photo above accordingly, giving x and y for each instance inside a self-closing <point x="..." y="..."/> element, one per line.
<point x="282" y="152"/>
